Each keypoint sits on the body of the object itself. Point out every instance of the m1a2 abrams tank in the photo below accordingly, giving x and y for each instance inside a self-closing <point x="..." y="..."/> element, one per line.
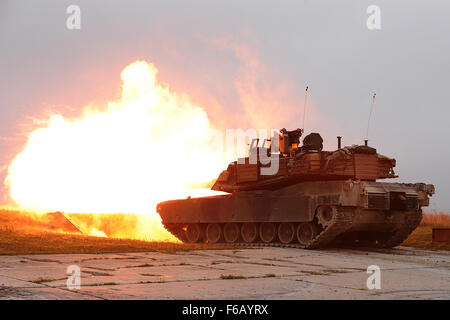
<point x="315" y="198"/>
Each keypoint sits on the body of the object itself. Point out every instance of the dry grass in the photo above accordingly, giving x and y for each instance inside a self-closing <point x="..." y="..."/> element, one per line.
<point x="436" y="220"/>
<point x="28" y="233"/>
<point x="12" y="243"/>
<point x="422" y="236"/>
<point x="43" y="280"/>
<point x="231" y="276"/>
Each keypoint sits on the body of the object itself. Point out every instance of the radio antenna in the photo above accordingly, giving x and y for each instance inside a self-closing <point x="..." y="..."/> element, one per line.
<point x="304" y="108"/>
<point x="370" y="115"/>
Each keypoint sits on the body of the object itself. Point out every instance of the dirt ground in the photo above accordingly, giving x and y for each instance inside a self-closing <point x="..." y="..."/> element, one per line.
<point x="268" y="273"/>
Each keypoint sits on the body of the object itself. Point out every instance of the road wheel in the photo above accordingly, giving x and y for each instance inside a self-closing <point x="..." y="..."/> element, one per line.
<point x="306" y="232"/>
<point x="325" y="215"/>
<point x="286" y="232"/>
<point x="194" y="233"/>
<point x="213" y="233"/>
<point x="231" y="232"/>
<point x="267" y="232"/>
<point x="249" y="232"/>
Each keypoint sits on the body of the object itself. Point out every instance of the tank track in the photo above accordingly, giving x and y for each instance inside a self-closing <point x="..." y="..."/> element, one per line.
<point x="412" y="221"/>
<point x="342" y="221"/>
<point x="176" y="230"/>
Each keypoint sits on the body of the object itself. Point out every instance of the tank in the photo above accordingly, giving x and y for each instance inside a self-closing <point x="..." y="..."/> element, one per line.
<point x="290" y="194"/>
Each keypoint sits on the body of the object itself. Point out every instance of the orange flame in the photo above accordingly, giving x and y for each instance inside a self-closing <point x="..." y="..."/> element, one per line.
<point x="145" y="148"/>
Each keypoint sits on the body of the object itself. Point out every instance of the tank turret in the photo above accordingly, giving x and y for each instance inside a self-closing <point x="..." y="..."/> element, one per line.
<point x="306" y="162"/>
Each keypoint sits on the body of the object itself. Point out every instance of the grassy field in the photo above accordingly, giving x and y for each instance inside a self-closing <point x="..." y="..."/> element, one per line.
<point x="13" y="242"/>
<point x="28" y="233"/>
<point x="421" y="237"/>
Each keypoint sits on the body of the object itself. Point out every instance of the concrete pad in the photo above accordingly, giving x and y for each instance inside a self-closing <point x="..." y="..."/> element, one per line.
<point x="17" y="283"/>
<point x="256" y="273"/>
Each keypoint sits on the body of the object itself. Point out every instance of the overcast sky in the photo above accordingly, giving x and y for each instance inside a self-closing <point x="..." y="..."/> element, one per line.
<point x="323" y="44"/>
